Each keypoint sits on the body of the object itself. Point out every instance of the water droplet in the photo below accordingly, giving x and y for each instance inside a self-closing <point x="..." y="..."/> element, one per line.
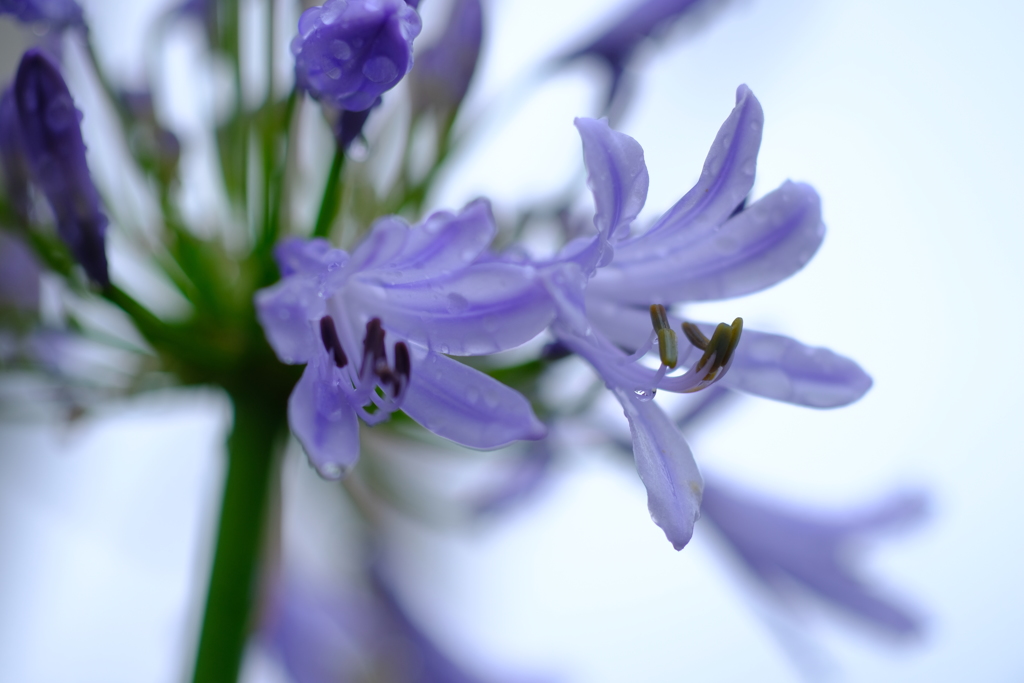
<point x="443" y="348"/>
<point x="468" y="254"/>
<point x="331" y="470"/>
<point x="380" y="69"/>
<point x="472" y="396"/>
<point x="644" y="395"/>
<point x="341" y="49"/>
<point x="334" y="74"/>
<point x="457" y="303"/>
<point x="333" y="266"/>
<point x="749" y="167"/>
<point x="331" y="12"/>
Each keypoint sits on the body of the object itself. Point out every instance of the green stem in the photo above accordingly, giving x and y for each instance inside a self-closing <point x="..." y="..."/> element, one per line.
<point x="329" y="203"/>
<point x="233" y="580"/>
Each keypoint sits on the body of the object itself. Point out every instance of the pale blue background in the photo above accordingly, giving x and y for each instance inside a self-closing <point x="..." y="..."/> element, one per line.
<point x="906" y="117"/>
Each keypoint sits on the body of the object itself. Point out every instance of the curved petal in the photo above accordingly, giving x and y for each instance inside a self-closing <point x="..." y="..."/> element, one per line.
<point x="783" y="369"/>
<point x="285" y="311"/>
<point x="724" y="182"/>
<point x="324" y="423"/>
<point x="466" y="406"/>
<point x="666" y="467"/>
<point x="481" y="309"/>
<point x="385" y="242"/>
<point x="764" y="244"/>
<point x="443" y="243"/>
<point x="309" y="257"/>
<point x="616" y="174"/>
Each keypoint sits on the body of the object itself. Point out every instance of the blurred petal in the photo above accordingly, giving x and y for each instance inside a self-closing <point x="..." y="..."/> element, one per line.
<point x="784" y="547"/>
<point x="466" y="406"/>
<point x="285" y="311"/>
<point x="666" y="467"/>
<point x="442" y="72"/>
<point x="322" y="420"/>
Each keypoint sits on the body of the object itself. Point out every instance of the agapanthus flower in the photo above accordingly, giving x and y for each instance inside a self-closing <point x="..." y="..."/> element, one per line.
<point x="420" y="287"/>
<point x="786" y="548"/>
<point x="61" y="13"/>
<point x="613" y="292"/>
<point x="51" y="137"/>
<point x="323" y="635"/>
<point x="349" y="52"/>
<point x="444" y="69"/>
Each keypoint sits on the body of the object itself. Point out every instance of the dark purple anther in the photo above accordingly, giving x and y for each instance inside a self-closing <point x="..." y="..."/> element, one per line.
<point x="373" y="348"/>
<point x="52" y="139"/>
<point x="329" y="334"/>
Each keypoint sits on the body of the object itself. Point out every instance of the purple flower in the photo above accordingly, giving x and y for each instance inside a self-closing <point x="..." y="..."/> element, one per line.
<point x="610" y="292"/>
<point x="320" y="636"/>
<point x="58" y="12"/>
<point x="19" y="276"/>
<point x="349" y="52"/>
<point x="418" y="286"/>
<point x="12" y="156"/>
<point x="785" y="548"/>
<point x="639" y="22"/>
<point x="444" y="69"/>
<point x="52" y="139"/>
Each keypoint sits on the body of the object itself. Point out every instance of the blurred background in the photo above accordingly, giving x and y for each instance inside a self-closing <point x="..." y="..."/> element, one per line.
<point x="902" y="114"/>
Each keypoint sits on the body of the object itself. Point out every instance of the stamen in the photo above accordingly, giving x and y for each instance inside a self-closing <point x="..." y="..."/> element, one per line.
<point x="695" y="336"/>
<point x="668" y="345"/>
<point x="403" y="363"/>
<point x="329" y="335"/>
<point x="720" y="348"/>
<point x="373" y="347"/>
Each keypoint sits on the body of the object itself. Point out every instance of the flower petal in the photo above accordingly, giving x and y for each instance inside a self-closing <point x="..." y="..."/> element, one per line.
<point x="616" y="174"/>
<point x="666" y="467"/>
<point x="323" y="421"/>
<point x="481" y="309"/>
<point x="725" y="181"/>
<point x="783" y="369"/>
<point x="764" y="244"/>
<point x="466" y="406"/>
<point x="443" y="243"/>
<point x="285" y="311"/>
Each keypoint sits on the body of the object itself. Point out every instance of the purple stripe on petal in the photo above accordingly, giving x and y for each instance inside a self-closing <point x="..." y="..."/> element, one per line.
<point x="616" y="175"/>
<point x="666" y="467"/>
<point x="764" y="244"/>
<point x="466" y="406"/>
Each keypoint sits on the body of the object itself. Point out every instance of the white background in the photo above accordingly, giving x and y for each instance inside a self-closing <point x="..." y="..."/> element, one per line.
<point x="905" y="116"/>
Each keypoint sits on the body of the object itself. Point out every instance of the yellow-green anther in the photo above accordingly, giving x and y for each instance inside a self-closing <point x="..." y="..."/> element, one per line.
<point x="668" y="346"/>
<point x="695" y="336"/>
<point x="736" y="330"/>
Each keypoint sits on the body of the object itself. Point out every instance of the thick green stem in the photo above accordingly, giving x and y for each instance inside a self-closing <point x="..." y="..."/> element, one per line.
<point x="233" y="580"/>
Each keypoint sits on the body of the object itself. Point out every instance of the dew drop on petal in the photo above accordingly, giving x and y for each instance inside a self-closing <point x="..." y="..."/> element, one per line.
<point x="380" y="69"/>
<point x="341" y="49"/>
<point x="644" y="395"/>
<point x="457" y="303"/>
<point x="331" y="470"/>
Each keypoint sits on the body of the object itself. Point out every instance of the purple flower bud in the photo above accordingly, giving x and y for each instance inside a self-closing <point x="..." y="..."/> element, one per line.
<point x="349" y="52"/>
<point x="58" y="12"/>
<point x="12" y="156"/>
<point x="53" y="144"/>
<point x="348" y="125"/>
<point x="443" y="70"/>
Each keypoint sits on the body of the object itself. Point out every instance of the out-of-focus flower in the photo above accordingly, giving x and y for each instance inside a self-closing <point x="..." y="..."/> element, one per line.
<point x="612" y="288"/>
<point x="12" y="156"/>
<point x="517" y="482"/>
<point x="157" y="148"/>
<point x="349" y="52"/>
<point x="52" y="139"/>
<point x="60" y="13"/>
<point x="786" y="549"/>
<point x="444" y="69"/>
<point x="324" y="637"/>
<point x="421" y="286"/>
<point x="19" y="276"/>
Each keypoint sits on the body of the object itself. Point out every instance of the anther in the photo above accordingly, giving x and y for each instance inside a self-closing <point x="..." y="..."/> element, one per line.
<point x="668" y="345"/>
<point x="373" y="347"/>
<point x="329" y="335"/>
<point x="721" y="345"/>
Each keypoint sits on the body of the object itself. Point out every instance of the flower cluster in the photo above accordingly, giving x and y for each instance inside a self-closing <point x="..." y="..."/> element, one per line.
<point x="402" y="314"/>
